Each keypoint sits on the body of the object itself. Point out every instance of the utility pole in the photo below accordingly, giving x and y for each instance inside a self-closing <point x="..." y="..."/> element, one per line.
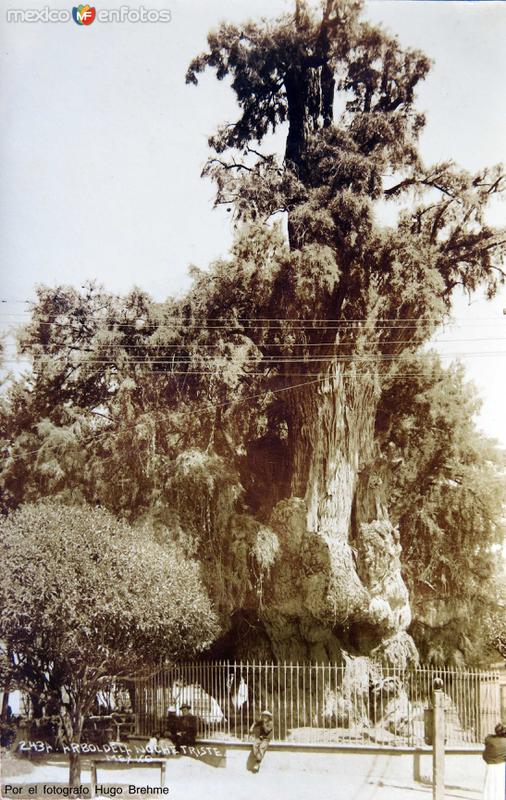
<point x="438" y="741"/>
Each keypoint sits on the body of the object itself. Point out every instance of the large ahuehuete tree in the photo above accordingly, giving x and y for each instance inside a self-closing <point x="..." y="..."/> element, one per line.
<point x="85" y="599"/>
<point x="352" y="295"/>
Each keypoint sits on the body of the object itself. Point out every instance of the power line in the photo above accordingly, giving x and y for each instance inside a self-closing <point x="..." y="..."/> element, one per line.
<point x="118" y="348"/>
<point x="189" y="411"/>
<point x="318" y="379"/>
<point x="228" y="319"/>
<point x="175" y="323"/>
<point x="267" y="360"/>
<point x="270" y="376"/>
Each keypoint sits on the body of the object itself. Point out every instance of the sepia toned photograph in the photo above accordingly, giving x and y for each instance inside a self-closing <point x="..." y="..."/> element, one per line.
<point x="252" y="400"/>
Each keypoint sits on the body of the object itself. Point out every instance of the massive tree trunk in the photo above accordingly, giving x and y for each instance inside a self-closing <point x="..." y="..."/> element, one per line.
<point x="350" y="595"/>
<point x="333" y="436"/>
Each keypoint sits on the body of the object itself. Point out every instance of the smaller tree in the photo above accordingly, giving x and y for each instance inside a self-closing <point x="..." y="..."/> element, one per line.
<point x="84" y="597"/>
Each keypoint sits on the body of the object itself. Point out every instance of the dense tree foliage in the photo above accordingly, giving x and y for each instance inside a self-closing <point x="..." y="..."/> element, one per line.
<point x="447" y="485"/>
<point x="494" y="634"/>
<point x="274" y="383"/>
<point x="85" y="597"/>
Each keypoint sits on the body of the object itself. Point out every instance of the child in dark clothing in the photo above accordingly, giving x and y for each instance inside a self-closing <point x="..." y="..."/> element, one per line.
<point x="186" y="728"/>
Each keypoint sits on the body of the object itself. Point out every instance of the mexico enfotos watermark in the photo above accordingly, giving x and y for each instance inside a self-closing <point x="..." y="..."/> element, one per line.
<point x="86" y="15"/>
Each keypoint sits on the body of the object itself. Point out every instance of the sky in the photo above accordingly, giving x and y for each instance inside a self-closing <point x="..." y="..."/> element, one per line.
<point x="102" y="145"/>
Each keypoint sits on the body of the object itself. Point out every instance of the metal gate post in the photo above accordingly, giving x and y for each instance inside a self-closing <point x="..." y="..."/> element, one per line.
<point x="438" y="742"/>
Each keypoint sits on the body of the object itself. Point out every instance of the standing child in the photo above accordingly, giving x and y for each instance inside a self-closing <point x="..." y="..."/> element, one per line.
<point x="262" y="730"/>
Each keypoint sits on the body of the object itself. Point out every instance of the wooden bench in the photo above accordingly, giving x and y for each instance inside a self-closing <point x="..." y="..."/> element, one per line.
<point x="117" y="763"/>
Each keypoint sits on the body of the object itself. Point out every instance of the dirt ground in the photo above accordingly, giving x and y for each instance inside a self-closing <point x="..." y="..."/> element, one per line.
<point x="188" y="779"/>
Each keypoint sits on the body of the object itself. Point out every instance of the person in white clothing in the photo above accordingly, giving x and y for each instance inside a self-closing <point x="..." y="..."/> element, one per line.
<point x="495" y="756"/>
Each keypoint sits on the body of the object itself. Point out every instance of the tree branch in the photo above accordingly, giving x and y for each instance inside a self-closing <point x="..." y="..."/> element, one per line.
<point x="414" y="182"/>
<point x="233" y="165"/>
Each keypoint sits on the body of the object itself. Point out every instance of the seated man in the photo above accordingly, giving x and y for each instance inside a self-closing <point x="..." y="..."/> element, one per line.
<point x="262" y="730"/>
<point x="185" y="728"/>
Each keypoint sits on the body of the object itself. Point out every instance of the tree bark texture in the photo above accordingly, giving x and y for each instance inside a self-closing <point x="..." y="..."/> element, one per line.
<point x="74" y="769"/>
<point x="336" y="522"/>
<point x="72" y="721"/>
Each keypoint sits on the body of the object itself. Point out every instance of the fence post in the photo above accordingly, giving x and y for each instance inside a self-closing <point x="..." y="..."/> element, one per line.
<point x="438" y="741"/>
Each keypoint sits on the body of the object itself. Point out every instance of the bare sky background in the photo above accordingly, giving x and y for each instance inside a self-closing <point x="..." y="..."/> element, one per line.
<point x="102" y="145"/>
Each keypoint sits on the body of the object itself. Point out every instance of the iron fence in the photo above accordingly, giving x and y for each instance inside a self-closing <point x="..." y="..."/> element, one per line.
<point x="357" y="703"/>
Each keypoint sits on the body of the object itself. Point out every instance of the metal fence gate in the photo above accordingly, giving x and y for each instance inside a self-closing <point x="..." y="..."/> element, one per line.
<point x="320" y="703"/>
